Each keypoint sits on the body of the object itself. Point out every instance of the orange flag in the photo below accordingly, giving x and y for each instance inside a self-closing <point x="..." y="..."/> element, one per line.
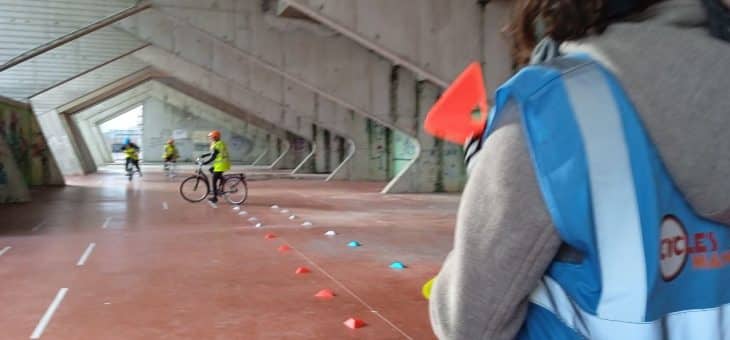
<point x="461" y="111"/>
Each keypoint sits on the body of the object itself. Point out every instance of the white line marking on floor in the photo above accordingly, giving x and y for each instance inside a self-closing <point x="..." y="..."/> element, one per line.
<point x="164" y="205"/>
<point x="49" y="314"/>
<point x="5" y="250"/>
<point x="38" y="226"/>
<point x="365" y="304"/>
<point x="86" y="254"/>
<point x="106" y="223"/>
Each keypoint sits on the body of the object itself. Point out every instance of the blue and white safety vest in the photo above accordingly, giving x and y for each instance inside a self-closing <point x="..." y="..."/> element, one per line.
<point x="651" y="268"/>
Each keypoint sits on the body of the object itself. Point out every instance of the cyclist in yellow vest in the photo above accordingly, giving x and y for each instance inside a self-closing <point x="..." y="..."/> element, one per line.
<point x="221" y="162"/>
<point x="131" y="155"/>
<point x="170" y="156"/>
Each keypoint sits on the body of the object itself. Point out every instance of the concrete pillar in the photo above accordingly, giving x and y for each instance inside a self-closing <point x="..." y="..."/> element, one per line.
<point x="63" y="149"/>
<point x="90" y="140"/>
<point x="106" y="151"/>
<point x="298" y="150"/>
<point x="424" y="172"/>
<point x="327" y="150"/>
<point x="358" y="167"/>
<point x="160" y="120"/>
<point x="322" y="154"/>
<point x="337" y="151"/>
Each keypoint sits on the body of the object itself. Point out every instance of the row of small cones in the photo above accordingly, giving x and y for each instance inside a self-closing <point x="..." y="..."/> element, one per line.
<point x="352" y="323"/>
<point x="326" y="293"/>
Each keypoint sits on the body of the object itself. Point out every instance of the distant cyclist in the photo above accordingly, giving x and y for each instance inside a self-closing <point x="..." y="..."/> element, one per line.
<point x="131" y="155"/>
<point x="170" y="156"/>
<point x="219" y="157"/>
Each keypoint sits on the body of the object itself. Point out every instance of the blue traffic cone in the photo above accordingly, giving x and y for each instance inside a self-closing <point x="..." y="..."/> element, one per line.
<point x="397" y="265"/>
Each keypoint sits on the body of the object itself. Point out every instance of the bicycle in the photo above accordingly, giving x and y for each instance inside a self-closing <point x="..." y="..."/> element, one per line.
<point x="130" y="170"/>
<point x="196" y="188"/>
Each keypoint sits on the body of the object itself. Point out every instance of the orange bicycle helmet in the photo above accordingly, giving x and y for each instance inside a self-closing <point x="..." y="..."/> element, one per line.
<point x="215" y="134"/>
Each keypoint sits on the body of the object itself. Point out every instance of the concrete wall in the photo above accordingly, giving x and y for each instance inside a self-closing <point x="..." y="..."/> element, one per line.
<point x="302" y="68"/>
<point x="194" y="114"/>
<point x="300" y="107"/>
<point x="160" y="120"/>
<point x="440" y="37"/>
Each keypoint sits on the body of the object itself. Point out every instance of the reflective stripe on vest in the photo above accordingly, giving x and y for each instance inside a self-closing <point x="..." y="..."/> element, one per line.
<point x="612" y="191"/>
<point x="652" y="268"/>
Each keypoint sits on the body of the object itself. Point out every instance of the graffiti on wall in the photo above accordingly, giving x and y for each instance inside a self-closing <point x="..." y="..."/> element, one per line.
<point x="20" y="130"/>
<point x="12" y="184"/>
<point x="241" y="145"/>
<point x="378" y="149"/>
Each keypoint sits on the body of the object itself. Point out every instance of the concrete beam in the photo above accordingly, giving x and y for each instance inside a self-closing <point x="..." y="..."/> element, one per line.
<point x="258" y="72"/>
<point x="109" y="90"/>
<point x="397" y="60"/>
<point x="89" y="70"/>
<point x="440" y="39"/>
<point x="143" y="5"/>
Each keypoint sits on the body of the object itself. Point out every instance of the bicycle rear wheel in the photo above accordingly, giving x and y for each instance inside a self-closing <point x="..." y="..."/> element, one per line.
<point x="235" y="190"/>
<point x="194" y="189"/>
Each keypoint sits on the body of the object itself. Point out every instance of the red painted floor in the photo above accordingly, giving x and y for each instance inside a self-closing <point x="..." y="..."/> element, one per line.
<point x="192" y="271"/>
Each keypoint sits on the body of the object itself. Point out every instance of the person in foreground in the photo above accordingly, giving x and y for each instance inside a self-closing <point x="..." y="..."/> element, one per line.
<point x="598" y="202"/>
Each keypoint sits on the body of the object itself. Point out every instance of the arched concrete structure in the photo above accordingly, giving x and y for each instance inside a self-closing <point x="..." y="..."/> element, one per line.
<point x="162" y="92"/>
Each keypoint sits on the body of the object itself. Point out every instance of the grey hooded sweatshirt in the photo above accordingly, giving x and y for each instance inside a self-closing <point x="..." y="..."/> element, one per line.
<point x="678" y="78"/>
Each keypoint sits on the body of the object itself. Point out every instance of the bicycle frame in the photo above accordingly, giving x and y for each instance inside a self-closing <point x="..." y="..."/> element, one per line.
<point x="201" y="173"/>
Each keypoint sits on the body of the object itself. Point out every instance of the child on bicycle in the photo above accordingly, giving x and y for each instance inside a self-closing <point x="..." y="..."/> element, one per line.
<point x="221" y="162"/>
<point x="170" y="156"/>
<point x="131" y="155"/>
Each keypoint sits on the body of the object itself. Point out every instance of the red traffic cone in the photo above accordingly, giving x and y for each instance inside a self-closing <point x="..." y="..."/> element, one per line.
<point x="302" y="270"/>
<point x="354" y="323"/>
<point x="269" y="236"/>
<point x="284" y="247"/>
<point x="325" y="294"/>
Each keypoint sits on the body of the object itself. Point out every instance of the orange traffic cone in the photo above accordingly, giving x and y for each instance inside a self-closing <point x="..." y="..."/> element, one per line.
<point x="325" y="294"/>
<point x="354" y="323"/>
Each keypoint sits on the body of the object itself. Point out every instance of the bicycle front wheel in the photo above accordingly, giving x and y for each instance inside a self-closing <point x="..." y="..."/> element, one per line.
<point x="235" y="190"/>
<point x="194" y="189"/>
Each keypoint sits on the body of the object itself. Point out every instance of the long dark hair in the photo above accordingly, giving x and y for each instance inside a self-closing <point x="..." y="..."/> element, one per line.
<point x="564" y="20"/>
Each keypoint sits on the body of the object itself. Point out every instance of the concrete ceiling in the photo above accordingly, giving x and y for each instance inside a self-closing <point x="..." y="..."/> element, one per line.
<point x="85" y="84"/>
<point x="27" y="24"/>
